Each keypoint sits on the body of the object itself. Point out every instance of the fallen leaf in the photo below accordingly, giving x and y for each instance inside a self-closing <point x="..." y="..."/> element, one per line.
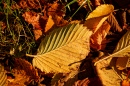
<point x="98" y="16"/>
<point x="54" y="9"/>
<point x="41" y="25"/>
<point x="28" y="4"/>
<point x="3" y="76"/>
<point x="70" y="42"/>
<point x="27" y="68"/>
<point x="122" y="49"/>
<point x="64" y="79"/>
<point x="83" y="82"/>
<point x="49" y="24"/>
<point x="98" y="37"/>
<point x="57" y="11"/>
<point x="125" y="83"/>
<point x="114" y="24"/>
<point x="107" y="76"/>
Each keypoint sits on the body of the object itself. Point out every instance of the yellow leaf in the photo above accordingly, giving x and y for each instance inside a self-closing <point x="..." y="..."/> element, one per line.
<point x="98" y="16"/>
<point x="63" y="49"/>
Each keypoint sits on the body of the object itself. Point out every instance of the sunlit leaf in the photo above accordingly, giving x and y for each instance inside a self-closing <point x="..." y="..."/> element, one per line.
<point x="122" y="49"/>
<point x="3" y="76"/>
<point x="98" y="16"/>
<point x="63" y="49"/>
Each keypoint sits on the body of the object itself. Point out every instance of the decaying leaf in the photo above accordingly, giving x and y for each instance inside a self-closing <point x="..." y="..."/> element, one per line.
<point x="3" y="76"/>
<point x="125" y="83"/>
<point x="49" y="24"/>
<point x="35" y="4"/>
<point x="63" y="49"/>
<point x="122" y="49"/>
<point x="40" y="24"/>
<point x="66" y="79"/>
<point x="83" y="82"/>
<point x="54" y="9"/>
<point x="27" y="68"/>
<point x="114" y="24"/>
<point x="98" y="16"/>
<point x="108" y="76"/>
<point x="122" y="63"/>
<point x="98" y="37"/>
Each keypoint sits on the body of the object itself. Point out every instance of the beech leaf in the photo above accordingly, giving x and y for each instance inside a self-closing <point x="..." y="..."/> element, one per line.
<point x="3" y="76"/>
<point x="122" y="49"/>
<point x="63" y="49"/>
<point x="98" y="16"/>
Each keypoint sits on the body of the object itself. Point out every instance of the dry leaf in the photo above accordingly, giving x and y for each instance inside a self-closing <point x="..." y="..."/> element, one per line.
<point x="122" y="49"/>
<point x="125" y="83"/>
<point x="27" y="68"/>
<point x="122" y="18"/>
<point x="83" y="82"/>
<point x="108" y="77"/>
<point x="28" y="4"/>
<point x="34" y="19"/>
<point x="114" y="24"/>
<point x="57" y="11"/>
<point x="49" y="24"/>
<point x="41" y="25"/>
<point x="70" y="42"/>
<point x="54" y="9"/>
<point x="66" y="79"/>
<point x="122" y="63"/>
<point x="20" y="78"/>
<point x="59" y="21"/>
<point x="3" y="76"/>
<point x="96" y="2"/>
<point x="98" y="37"/>
<point x="98" y="16"/>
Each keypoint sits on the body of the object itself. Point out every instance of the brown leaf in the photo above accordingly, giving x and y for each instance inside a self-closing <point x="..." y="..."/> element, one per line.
<point x="66" y="79"/>
<point x="41" y="24"/>
<point x="125" y="83"/>
<point x="27" y="68"/>
<point x="2" y="25"/>
<point x="28" y="4"/>
<point x="59" y="21"/>
<point x="57" y="11"/>
<point x="114" y="24"/>
<point x="83" y="82"/>
<point x="98" y="37"/>
<point x="122" y="17"/>
<point x="96" y="2"/>
<point x="34" y="19"/>
<point x="54" y="9"/>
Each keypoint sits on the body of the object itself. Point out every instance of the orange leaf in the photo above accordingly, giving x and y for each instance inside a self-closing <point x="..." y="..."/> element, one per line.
<point x="49" y="24"/>
<point x="98" y="37"/>
<point x="23" y="65"/>
<point x="125" y="83"/>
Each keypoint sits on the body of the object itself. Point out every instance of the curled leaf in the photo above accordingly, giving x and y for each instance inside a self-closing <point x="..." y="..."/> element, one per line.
<point x="98" y="16"/>
<point x="122" y="49"/>
<point x="98" y="37"/>
<point x="114" y="24"/>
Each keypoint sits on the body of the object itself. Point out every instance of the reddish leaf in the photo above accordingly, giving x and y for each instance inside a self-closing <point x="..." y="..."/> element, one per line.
<point x="98" y="37"/>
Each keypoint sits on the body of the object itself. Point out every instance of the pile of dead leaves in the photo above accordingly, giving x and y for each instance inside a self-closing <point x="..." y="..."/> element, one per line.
<point x="93" y="52"/>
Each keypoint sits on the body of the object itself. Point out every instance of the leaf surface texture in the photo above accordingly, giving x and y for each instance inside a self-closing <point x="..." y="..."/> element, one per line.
<point x="63" y="49"/>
